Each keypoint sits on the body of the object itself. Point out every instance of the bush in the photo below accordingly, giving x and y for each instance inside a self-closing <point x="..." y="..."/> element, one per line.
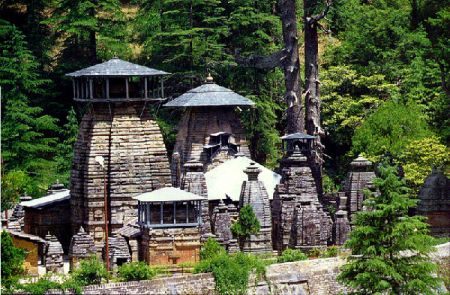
<point x="231" y="272"/>
<point x="314" y="252"/>
<point x="290" y="255"/>
<point x="330" y="252"/>
<point x="12" y="262"/>
<point x="211" y="249"/>
<point x="40" y="287"/>
<point x="135" y="271"/>
<point x="91" y="271"/>
<point x="247" y="224"/>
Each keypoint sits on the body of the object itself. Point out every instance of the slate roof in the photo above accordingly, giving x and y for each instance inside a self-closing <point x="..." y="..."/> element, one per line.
<point x="226" y="179"/>
<point x="209" y="94"/>
<point x="298" y="135"/>
<point x="168" y="194"/>
<point x="116" y="67"/>
<point x="47" y="200"/>
<point x="25" y="236"/>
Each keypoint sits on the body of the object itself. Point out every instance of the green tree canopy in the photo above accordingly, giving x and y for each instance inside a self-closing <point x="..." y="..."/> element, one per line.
<point x="12" y="262"/>
<point x="389" y="248"/>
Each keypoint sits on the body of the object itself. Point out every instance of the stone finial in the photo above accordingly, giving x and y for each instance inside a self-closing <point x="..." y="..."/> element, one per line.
<point x="252" y="171"/>
<point x="81" y="231"/>
<point x="56" y="187"/>
<point x="361" y="163"/>
<point x="209" y="79"/>
<point x="193" y="166"/>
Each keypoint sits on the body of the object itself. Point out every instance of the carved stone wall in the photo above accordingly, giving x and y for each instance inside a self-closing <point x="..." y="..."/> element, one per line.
<point x="434" y="203"/>
<point x="359" y="178"/>
<point x="171" y="245"/>
<point x="194" y="181"/>
<point x="135" y="161"/>
<point x="299" y="220"/>
<point x="254" y="193"/>
<point x="195" y="128"/>
<point x="341" y="226"/>
<point x="222" y="218"/>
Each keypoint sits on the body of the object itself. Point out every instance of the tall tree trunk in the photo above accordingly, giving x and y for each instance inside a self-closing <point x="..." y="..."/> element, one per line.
<point x="312" y="83"/>
<point x="291" y="66"/>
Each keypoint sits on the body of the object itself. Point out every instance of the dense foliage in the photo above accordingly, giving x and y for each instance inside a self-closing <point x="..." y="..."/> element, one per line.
<point x="135" y="271"/>
<point x="90" y="271"/>
<point x="390" y="249"/>
<point x="12" y="262"/>
<point x="290" y="255"/>
<point x="384" y="76"/>
<point x="210" y="249"/>
<point x="246" y="225"/>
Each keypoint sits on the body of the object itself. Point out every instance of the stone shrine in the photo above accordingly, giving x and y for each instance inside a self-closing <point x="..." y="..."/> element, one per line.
<point x="341" y="225"/>
<point x="210" y="130"/>
<point x="359" y="178"/>
<point x="254" y="193"/>
<point x="299" y="220"/>
<point x="434" y="203"/>
<point x="54" y="255"/>
<point x="82" y="246"/>
<point x="119" y="148"/>
<point x="119" y="253"/>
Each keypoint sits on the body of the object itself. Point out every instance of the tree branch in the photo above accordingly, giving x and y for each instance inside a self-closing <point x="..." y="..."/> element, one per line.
<point x="317" y="17"/>
<point x="261" y="62"/>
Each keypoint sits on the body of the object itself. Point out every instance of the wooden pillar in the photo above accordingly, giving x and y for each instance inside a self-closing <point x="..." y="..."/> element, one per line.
<point x="145" y="87"/>
<point x="139" y="212"/>
<point x="91" y="89"/>
<point x="174" y="212"/>
<point x="107" y="88"/>
<point x="162" y="87"/>
<point x="74" y="89"/>
<point x="187" y="211"/>
<point x="148" y="209"/>
<point x="127" y="94"/>
<point x="86" y="90"/>
<point x="161" y="213"/>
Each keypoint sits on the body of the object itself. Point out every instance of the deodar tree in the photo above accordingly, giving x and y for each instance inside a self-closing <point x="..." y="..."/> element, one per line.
<point x="390" y="250"/>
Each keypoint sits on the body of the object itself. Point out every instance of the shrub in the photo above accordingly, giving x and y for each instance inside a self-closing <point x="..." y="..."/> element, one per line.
<point x="91" y="271"/>
<point x="231" y="272"/>
<point x="211" y="249"/>
<point x="290" y="255"/>
<point x="135" y="271"/>
<point x="40" y="287"/>
<point x="315" y="252"/>
<point x="12" y="262"/>
<point x="246" y="225"/>
<point x="330" y="252"/>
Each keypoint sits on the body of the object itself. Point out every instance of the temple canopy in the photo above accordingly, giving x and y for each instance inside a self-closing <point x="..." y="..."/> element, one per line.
<point x="48" y="200"/>
<point x="117" y="80"/>
<point x="169" y="207"/>
<point x="301" y="141"/>
<point x="116" y="67"/>
<point x="209" y="94"/>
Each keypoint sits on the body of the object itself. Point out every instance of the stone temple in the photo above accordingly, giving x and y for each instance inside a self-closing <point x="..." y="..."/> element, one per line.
<point x="210" y="130"/>
<point x="118" y="130"/>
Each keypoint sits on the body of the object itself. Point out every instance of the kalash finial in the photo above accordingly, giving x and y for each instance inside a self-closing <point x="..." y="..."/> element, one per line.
<point x="209" y="79"/>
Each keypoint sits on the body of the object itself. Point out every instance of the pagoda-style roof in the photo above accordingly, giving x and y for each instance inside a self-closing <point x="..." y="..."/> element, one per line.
<point x="48" y="200"/>
<point x="209" y="94"/>
<point x="168" y="194"/>
<point x="115" y="68"/>
<point x="298" y="135"/>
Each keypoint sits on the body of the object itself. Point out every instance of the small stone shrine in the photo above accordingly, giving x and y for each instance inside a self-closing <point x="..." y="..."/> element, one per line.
<point x="119" y="253"/>
<point x="81" y="247"/>
<point x="254" y="193"/>
<point x="359" y="178"/>
<point x="170" y="220"/>
<point x="434" y="203"/>
<point x="194" y="181"/>
<point x="210" y="130"/>
<point x="299" y="220"/>
<point x="221" y="221"/>
<point x="119" y="147"/>
<point x="341" y="225"/>
<point x="54" y="255"/>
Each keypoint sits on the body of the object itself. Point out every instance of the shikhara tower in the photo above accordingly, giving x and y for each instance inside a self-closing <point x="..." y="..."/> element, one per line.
<point x="118" y="127"/>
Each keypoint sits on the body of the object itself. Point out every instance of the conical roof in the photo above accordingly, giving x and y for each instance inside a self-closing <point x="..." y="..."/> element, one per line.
<point x="209" y="94"/>
<point x="116" y="67"/>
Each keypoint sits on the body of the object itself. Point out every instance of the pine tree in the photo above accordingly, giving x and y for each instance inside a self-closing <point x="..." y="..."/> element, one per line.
<point x="246" y="225"/>
<point x="28" y="137"/>
<point x="390" y="249"/>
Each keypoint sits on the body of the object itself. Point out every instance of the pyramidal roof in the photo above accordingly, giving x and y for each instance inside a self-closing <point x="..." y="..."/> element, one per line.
<point x="209" y="94"/>
<point x="116" y="67"/>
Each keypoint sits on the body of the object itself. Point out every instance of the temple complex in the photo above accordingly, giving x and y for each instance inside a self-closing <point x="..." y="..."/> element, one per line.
<point x="210" y="130"/>
<point x="120" y="151"/>
<point x="254" y="193"/>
